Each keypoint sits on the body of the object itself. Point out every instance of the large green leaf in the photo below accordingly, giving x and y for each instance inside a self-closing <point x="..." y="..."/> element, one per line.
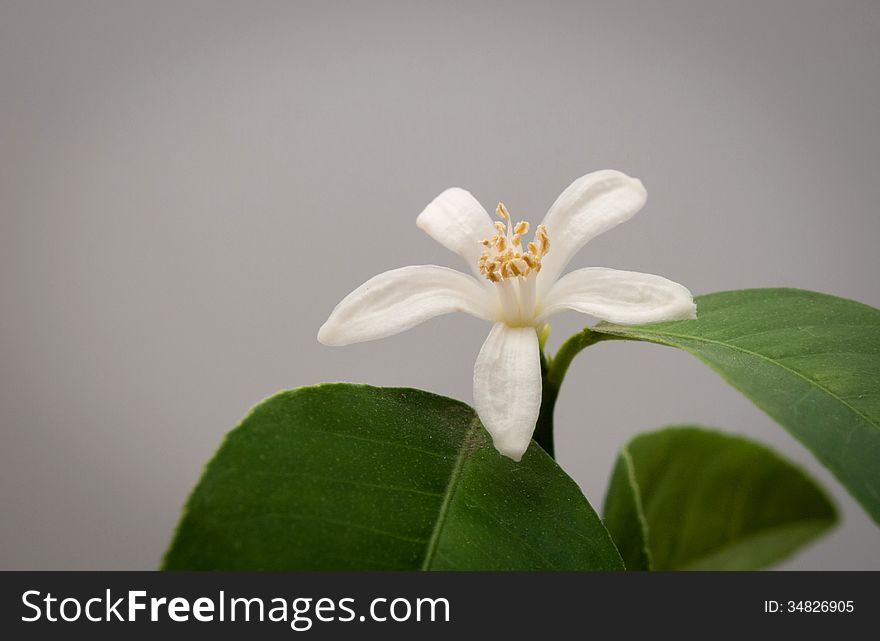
<point x="344" y="476"/>
<point x="811" y="361"/>
<point x="687" y="498"/>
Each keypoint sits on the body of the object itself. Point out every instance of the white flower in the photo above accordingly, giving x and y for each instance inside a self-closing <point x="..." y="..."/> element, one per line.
<point x="517" y="288"/>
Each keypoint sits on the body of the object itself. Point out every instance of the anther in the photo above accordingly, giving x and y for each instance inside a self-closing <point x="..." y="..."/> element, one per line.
<point x="505" y="258"/>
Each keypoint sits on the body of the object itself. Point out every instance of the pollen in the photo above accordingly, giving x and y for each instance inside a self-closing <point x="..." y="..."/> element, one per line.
<point x="504" y="256"/>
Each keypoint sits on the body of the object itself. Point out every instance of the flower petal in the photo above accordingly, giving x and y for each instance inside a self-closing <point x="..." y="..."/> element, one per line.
<point x="591" y="205"/>
<point x="507" y="387"/>
<point x="627" y="298"/>
<point x="457" y="220"/>
<point x="402" y="298"/>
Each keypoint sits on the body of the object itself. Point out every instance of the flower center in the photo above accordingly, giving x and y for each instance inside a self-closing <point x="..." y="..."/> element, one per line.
<point x="504" y="256"/>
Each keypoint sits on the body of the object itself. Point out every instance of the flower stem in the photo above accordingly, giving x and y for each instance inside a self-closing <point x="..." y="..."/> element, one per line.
<point x="552" y="374"/>
<point x="544" y="427"/>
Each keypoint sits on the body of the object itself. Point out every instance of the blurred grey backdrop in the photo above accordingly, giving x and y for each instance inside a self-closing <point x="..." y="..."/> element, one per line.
<point x="188" y="188"/>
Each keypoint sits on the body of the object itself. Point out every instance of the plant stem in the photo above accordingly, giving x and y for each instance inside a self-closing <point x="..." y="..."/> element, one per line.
<point x="552" y="374"/>
<point x="544" y="427"/>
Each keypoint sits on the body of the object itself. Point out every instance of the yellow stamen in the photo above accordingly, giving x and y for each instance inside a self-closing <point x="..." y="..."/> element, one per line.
<point x="504" y="258"/>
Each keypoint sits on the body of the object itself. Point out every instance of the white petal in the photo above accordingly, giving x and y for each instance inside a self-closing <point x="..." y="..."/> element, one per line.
<point x="456" y="220"/>
<point x="507" y="387"/>
<point x="591" y="205"/>
<point x="628" y="298"/>
<point x="399" y="299"/>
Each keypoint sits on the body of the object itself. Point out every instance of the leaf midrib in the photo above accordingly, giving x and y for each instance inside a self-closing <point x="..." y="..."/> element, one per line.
<point x="759" y="356"/>
<point x="640" y="508"/>
<point x="451" y="488"/>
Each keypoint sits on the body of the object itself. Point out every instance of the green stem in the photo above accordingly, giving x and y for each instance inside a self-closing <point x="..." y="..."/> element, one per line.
<point x="552" y="373"/>
<point x="544" y="427"/>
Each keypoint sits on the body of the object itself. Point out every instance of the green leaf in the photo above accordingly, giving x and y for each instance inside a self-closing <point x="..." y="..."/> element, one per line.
<point x="687" y="498"/>
<point x="811" y="361"/>
<point x="341" y="476"/>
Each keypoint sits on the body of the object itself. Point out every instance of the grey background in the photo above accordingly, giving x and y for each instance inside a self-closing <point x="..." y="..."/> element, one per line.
<point x="187" y="188"/>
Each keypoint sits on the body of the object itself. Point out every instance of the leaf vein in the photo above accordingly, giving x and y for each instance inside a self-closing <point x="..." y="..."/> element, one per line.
<point x="743" y="350"/>
<point x="452" y="486"/>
